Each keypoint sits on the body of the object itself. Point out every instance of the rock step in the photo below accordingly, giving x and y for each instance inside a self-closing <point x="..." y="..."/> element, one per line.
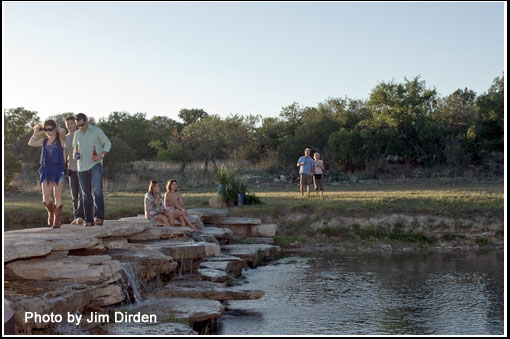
<point x="156" y="233"/>
<point x="204" y="290"/>
<point x="254" y="254"/>
<point x="181" y="249"/>
<point x="208" y="213"/>
<point x="213" y="275"/>
<point x="149" y="263"/>
<point x="195" y="220"/>
<point x="254" y="240"/>
<point x="26" y="245"/>
<point x="218" y="233"/>
<point x="251" y="230"/>
<point x="223" y="221"/>
<point x="168" y="309"/>
<point x="76" y="269"/>
<point x="139" y="329"/>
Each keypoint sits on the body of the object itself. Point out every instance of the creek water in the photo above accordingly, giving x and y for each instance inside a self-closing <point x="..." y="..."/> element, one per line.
<point x="369" y="294"/>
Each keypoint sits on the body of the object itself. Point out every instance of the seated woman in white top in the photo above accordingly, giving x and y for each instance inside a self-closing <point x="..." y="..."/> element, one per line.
<point x="153" y="205"/>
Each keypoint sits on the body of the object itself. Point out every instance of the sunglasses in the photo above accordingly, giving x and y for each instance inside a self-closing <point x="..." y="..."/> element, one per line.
<point x="80" y="125"/>
<point x="48" y="129"/>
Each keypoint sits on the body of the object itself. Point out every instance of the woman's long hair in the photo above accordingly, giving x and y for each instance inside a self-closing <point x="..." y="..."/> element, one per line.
<point x="53" y="124"/>
<point x="153" y="183"/>
<point x="169" y="185"/>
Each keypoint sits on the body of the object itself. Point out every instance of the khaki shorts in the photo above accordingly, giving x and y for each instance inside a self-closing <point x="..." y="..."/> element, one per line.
<point x="318" y="182"/>
<point x="305" y="179"/>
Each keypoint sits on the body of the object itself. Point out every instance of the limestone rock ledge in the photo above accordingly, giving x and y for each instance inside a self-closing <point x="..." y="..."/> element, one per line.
<point x="76" y="269"/>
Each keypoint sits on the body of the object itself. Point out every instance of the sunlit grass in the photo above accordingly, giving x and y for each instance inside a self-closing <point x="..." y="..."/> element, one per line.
<point x="462" y="200"/>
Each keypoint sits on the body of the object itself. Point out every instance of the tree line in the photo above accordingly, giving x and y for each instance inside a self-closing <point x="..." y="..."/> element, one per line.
<point x="400" y="123"/>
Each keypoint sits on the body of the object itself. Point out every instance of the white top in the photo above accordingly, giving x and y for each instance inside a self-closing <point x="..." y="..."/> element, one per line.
<point x="317" y="166"/>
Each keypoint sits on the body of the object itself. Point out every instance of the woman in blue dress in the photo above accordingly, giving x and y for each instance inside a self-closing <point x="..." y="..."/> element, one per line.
<point x="52" y="168"/>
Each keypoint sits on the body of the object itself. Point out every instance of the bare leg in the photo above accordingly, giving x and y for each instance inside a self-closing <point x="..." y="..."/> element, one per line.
<point x="190" y="224"/>
<point x="46" y="192"/>
<point x="170" y="217"/>
<point x="57" y="193"/>
<point x="162" y="218"/>
<point x="302" y="190"/>
<point x="50" y="207"/>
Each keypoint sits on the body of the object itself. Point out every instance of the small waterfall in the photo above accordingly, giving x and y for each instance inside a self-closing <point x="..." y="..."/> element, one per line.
<point x="129" y="284"/>
<point x="184" y="271"/>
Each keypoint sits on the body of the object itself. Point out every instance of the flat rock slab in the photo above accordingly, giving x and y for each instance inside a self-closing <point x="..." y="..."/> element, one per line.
<point x="96" y="231"/>
<point x="115" y="243"/>
<point x="193" y="310"/>
<point x="225" y="266"/>
<point x="194" y="218"/>
<point x="218" y="233"/>
<point x="223" y="221"/>
<point x="265" y="230"/>
<point x="149" y="262"/>
<point x="205" y="290"/>
<point x="179" y="249"/>
<point x="76" y="269"/>
<point x="209" y="212"/>
<point x="213" y="275"/>
<point x="215" y="265"/>
<point x="124" y="229"/>
<point x="236" y="264"/>
<point x="163" y="328"/>
<point x="254" y="254"/>
<point x="156" y="233"/>
<point x="26" y="249"/>
<point x="58" y="242"/>
<point x="254" y="240"/>
<point x="66" y="298"/>
<point x="105" y="296"/>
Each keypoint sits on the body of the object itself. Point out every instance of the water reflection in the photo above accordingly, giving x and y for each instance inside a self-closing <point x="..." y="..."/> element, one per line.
<point x="406" y="293"/>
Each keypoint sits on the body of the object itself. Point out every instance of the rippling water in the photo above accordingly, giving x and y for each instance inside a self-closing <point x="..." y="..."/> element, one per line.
<point x="359" y="294"/>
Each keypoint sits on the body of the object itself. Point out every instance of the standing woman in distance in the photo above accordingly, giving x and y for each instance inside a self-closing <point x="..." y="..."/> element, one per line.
<point x="318" y="172"/>
<point x="52" y="168"/>
<point x="175" y="204"/>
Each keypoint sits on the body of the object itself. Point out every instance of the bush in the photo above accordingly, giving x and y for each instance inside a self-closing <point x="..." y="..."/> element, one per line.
<point x="230" y="183"/>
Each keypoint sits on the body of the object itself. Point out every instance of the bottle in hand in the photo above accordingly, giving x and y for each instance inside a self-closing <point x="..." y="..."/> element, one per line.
<point x="77" y="153"/>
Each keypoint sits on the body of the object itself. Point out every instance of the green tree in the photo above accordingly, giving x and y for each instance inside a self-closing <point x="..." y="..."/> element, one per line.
<point x="212" y="138"/>
<point x="18" y="123"/>
<point x="190" y="116"/>
<point x="489" y="130"/>
<point x="404" y="108"/>
<point x="453" y="120"/>
<point x="133" y="129"/>
<point x="119" y="161"/>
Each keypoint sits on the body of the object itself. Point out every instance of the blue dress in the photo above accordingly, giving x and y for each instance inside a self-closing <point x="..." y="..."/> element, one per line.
<point x="52" y="162"/>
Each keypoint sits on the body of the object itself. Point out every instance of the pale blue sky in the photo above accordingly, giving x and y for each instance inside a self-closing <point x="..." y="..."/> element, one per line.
<point x="247" y="58"/>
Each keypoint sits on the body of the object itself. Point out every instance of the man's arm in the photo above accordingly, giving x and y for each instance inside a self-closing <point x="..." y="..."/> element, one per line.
<point x="105" y="142"/>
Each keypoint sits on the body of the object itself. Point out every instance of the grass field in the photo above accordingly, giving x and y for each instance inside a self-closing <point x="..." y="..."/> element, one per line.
<point x="452" y="198"/>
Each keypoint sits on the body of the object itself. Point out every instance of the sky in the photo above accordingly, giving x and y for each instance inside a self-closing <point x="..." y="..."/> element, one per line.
<point x="239" y="58"/>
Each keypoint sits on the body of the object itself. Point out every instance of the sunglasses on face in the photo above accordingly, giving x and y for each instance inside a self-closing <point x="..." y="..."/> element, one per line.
<point x="80" y="125"/>
<point x="48" y="129"/>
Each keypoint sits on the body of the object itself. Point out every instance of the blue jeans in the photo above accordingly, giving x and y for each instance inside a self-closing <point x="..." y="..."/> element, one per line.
<point x="92" y="179"/>
<point x="76" y="194"/>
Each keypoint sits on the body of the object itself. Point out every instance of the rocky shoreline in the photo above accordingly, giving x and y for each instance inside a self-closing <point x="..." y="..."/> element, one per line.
<point x="115" y="278"/>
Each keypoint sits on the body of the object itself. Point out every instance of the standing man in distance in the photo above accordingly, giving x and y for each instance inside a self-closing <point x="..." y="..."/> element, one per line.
<point x="92" y="145"/>
<point x="74" y="182"/>
<point x="305" y="164"/>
